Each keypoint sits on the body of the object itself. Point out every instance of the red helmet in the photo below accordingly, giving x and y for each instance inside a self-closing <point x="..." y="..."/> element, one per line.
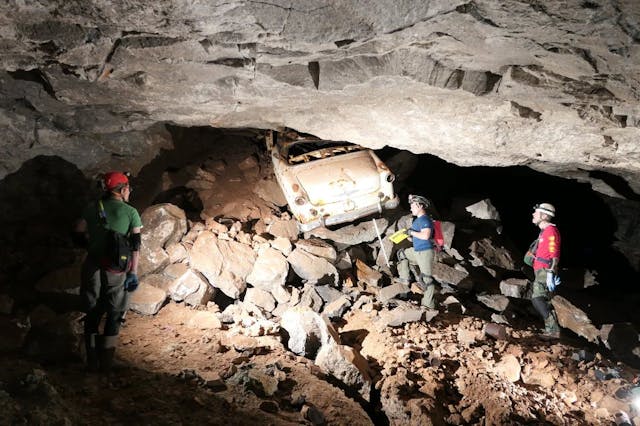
<point x="113" y="180"/>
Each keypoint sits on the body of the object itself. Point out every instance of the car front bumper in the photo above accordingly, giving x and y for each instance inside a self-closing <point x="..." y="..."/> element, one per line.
<point x="349" y="216"/>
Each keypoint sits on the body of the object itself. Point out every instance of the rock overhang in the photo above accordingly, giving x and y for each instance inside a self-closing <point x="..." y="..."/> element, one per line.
<point x="553" y="87"/>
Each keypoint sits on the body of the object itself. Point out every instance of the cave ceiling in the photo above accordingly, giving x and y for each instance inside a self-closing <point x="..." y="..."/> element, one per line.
<point x="553" y="85"/>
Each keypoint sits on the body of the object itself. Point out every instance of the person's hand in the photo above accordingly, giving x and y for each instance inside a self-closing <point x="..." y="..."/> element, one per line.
<point x="553" y="280"/>
<point x="131" y="282"/>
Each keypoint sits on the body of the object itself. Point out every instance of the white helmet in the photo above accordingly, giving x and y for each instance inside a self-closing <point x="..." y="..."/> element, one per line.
<point x="545" y="208"/>
<point x="420" y="200"/>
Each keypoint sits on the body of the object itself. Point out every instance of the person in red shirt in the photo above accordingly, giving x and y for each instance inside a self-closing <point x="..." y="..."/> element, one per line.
<point x="545" y="267"/>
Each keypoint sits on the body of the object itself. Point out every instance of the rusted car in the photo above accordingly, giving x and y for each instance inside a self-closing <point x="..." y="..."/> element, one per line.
<point x="330" y="182"/>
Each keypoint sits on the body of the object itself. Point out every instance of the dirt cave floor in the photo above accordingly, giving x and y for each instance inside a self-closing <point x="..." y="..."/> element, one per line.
<point x="447" y="371"/>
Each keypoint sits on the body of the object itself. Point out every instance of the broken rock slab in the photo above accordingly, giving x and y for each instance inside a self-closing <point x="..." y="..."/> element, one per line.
<point x="204" y="320"/>
<point x="238" y="258"/>
<point x="485" y="253"/>
<point x="514" y="287"/>
<point x="509" y="367"/>
<point x="350" y="235"/>
<point x="328" y="293"/>
<point x="497" y="302"/>
<point x="147" y="300"/>
<point x="230" y="284"/>
<point x="225" y="264"/>
<point x="176" y="252"/>
<point x="310" y="298"/>
<point x="284" y="228"/>
<point x="402" y="314"/>
<point x="307" y="331"/>
<point x="152" y="260"/>
<point x="269" y="270"/>
<point x="283" y="245"/>
<point x="185" y="285"/>
<point x="160" y="281"/>
<point x="444" y="273"/>
<point x="312" y="268"/>
<point x="569" y="316"/>
<point x="367" y="275"/>
<point x="261" y="298"/>
<point x="347" y="365"/>
<point x="163" y="224"/>
<point x="539" y="371"/>
<point x="337" y="308"/>
<point x="319" y="248"/>
<point x="483" y="209"/>
<point x="255" y="380"/>
<point x="205" y="256"/>
<point x="391" y="291"/>
<point x="204" y="293"/>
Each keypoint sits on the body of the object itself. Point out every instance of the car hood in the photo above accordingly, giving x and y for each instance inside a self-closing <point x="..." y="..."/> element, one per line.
<point x="339" y="178"/>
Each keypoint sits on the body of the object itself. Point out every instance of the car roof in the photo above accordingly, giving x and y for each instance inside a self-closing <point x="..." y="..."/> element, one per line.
<point x="294" y="152"/>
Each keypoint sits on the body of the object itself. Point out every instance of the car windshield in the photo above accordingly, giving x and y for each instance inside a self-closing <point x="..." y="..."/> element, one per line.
<point x="305" y="150"/>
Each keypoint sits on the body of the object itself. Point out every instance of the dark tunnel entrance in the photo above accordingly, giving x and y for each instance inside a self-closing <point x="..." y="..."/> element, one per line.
<point x="585" y="220"/>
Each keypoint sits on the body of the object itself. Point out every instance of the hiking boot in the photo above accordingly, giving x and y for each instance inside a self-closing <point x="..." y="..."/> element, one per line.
<point x="420" y="285"/>
<point x="107" y="352"/>
<point x="416" y="288"/>
<point x="550" y="335"/>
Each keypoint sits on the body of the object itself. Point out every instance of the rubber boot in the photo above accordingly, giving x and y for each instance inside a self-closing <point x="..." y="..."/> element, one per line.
<point x="91" y="352"/>
<point x="107" y="352"/>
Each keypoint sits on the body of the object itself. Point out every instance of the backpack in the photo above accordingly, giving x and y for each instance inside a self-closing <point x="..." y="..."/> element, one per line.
<point x="438" y="238"/>
<point x="118" y="251"/>
<point x="530" y="255"/>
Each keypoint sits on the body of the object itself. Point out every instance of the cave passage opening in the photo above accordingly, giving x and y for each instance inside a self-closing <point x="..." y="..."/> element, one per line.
<point x="584" y="217"/>
<point x="234" y="165"/>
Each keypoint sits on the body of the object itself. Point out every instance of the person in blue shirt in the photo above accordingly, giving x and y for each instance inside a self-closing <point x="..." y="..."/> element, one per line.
<point x="422" y="252"/>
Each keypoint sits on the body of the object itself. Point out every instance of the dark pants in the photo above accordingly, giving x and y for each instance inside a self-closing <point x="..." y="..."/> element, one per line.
<point x="541" y="300"/>
<point x="102" y="292"/>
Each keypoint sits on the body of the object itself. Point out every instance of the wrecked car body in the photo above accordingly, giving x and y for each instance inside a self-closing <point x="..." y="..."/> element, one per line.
<point x="331" y="182"/>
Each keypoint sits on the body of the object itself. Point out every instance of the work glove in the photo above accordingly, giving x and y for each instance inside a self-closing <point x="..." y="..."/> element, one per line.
<point x="131" y="282"/>
<point x="553" y="280"/>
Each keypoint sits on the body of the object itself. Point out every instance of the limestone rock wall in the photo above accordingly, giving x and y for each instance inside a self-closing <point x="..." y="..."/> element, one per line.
<point x="552" y="85"/>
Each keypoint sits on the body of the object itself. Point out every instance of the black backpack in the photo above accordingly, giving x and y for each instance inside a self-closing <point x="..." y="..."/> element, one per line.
<point x="118" y="251"/>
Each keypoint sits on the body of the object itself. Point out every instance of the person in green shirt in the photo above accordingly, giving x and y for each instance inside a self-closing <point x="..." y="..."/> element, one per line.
<point x="107" y="283"/>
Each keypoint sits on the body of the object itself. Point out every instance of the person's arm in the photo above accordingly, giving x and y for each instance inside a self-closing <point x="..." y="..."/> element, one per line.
<point x="423" y="234"/>
<point x="135" y="232"/>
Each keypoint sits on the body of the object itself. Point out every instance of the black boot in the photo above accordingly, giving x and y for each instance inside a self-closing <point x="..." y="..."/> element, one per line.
<point x="107" y="352"/>
<point x="92" y="352"/>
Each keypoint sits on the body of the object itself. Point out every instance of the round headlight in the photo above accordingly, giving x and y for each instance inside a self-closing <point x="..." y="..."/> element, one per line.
<point x="391" y="177"/>
<point x="301" y="201"/>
